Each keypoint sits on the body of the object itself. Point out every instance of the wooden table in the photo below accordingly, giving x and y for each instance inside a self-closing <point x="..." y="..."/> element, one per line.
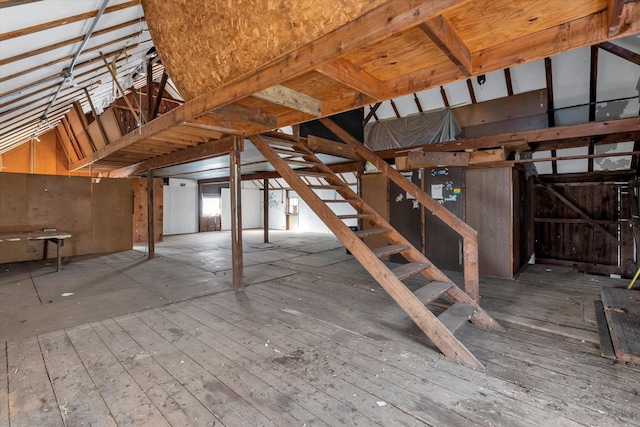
<point x="55" y="236"/>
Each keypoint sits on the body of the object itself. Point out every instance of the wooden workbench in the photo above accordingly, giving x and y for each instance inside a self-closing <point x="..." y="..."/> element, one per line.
<point x="55" y="236"/>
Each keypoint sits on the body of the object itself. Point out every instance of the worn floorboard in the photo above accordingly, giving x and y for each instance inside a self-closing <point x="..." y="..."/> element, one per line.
<point x="312" y="341"/>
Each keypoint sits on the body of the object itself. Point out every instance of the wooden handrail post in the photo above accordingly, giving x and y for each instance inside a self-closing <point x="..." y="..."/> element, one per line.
<point x="468" y="234"/>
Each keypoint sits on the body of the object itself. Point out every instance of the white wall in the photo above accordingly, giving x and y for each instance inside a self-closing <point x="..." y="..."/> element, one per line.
<point x="251" y="208"/>
<point x="309" y="221"/>
<point x="180" y="206"/>
<point x="277" y="213"/>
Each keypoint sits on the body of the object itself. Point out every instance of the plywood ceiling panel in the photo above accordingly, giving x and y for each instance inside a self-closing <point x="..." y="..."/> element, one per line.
<point x="211" y="42"/>
<point x="489" y="23"/>
<point x="399" y="54"/>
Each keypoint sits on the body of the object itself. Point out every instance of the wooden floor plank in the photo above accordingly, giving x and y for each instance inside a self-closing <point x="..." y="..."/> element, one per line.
<point x="123" y="396"/>
<point x="438" y="393"/>
<point x="175" y="402"/>
<point x="600" y="402"/>
<point x="317" y="402"/>
<point x="225" y="404"/>
<point x="272" y="404"/>
<point x="329" y="376"/>
<point x="31" y="398"/>
<point x="447" y="381"/>
<point x="254" y="352"/>
<point x="622" y="310"/>
<point x="79" y="401"/>
<point x="319" y="347"/>
<point x="606" y="346"/>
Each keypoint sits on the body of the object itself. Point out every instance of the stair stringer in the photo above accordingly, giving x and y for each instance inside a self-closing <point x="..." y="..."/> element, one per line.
<point x="480" y="318"/>
<point x="417" y="311"/>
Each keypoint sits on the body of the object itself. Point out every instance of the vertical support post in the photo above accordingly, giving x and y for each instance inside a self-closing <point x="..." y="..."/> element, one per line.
<point x="266" y="209"/>
<point x="32" y="156"/>
<point x="151" y="243"/>
<point x="236" y="213"/>
<point x="149" y="106"/>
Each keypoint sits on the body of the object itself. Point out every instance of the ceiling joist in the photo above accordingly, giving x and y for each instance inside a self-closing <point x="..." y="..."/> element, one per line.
<point x="441" y="33"/>
<point x="290" y="98"/>
<point x="58" y="22"/>
<point x="353" y="76"/>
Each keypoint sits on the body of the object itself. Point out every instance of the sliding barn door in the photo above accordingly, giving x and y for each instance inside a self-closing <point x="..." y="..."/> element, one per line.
<point x="584" y="225"/>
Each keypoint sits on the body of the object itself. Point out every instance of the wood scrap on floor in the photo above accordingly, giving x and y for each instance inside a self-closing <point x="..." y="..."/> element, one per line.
<point x="622" y="311"/>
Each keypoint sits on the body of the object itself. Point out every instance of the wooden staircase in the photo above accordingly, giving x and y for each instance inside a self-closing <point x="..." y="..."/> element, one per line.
<point x="284" y="152"/>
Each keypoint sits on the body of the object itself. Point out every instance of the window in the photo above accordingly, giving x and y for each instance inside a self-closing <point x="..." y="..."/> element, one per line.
<point x="292" y="206"/>
<point x="210" y="206"/>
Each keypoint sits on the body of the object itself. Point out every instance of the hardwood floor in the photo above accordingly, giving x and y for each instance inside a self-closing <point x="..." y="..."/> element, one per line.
<point x="312" y="341"/>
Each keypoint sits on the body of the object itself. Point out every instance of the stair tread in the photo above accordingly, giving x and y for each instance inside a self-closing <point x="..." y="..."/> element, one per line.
<point x="294" y="153"/>
<point x="432" y="291"/>
<point x="456" y="315"/>
<point x="325" y="187"/>
<point x="311" y="173"/>
<point x="300" y="162"/>
<point x="340" y="201"/>
<point x="355" y="215"/>
<point x="410" y="269"/>
<point x="371" y="232"/>
<point x="388" y="250"/>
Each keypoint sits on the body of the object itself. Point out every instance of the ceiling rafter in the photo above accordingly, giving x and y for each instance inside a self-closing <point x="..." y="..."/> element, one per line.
<point x="448" y="41"/>
<point x="67" y="42"/>
<point x="21" y="73"/>
<point x="58" y="22"/>
<point x="77" y="77"/>
<point x="620" y="51"/>
<point x="80" y="65"/>
<point x="290" y="98"/>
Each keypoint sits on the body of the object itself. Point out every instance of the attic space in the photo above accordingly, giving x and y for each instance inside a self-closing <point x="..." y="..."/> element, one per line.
<point x="319" y="213"/>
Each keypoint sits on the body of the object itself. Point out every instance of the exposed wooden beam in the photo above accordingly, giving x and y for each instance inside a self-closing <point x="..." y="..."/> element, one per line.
<point x="156" y="105"/>
<point x="12" y="3"/>
<point x="593" y="83"/>
<point x="422" y="159"/>
<point x="391" y="18"/>
<point x="89" y="74"/>
<point x="395" y="108"/>
<point x="616" y="12"/>
<point x="235" y="190"/>
<point x="207" y="150"/>
<point x="417" y="101"/>
<point x="507" y="78"/>
<point x="621" y="52"/>
<point x="604" y="128"/>
<point x="235" y="119"/>
<point x="593" y="89"/>
<point x="290" y="98"/>
<point x="443" y="94"/>
<point x="327" y="146"/>
<point x="58" y="22"/>
<point x="44" y="49"/>
<point x="353" y="76"/>
<point x="472" y="93"/>
<point x="114" y="76"/>
<point x="581" y="32"/>
<point x="551" y="115"/>
<point x="372" y="112"/>
<point x="151" y="235"/>
<point x="448" y="41"/>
